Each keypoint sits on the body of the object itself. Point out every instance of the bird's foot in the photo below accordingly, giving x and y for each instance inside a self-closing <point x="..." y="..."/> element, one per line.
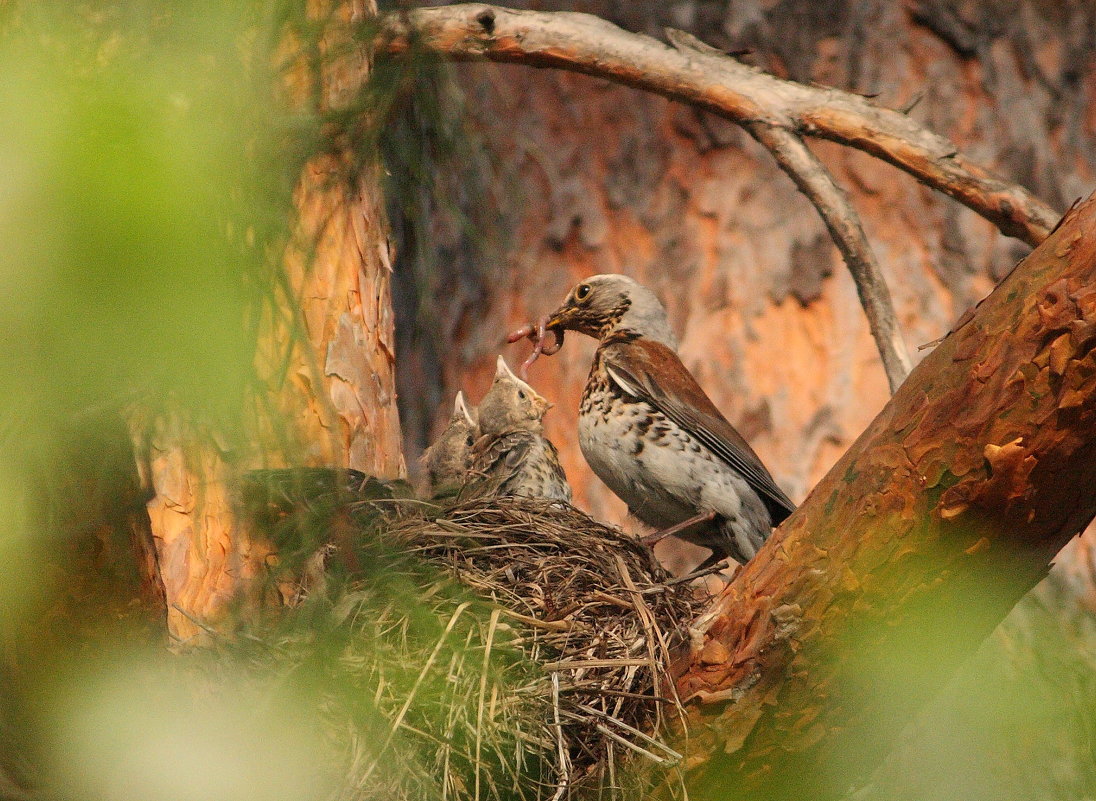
<point x="677" y="528"/>
<point x="715" y="563"/>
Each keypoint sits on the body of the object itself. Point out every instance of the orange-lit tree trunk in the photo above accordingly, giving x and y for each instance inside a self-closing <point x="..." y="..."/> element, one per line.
<point x="916" y="544"/>
<point x="601" y="178"/>
<point x="326" y="362"/>
<point x="584" y="176"/>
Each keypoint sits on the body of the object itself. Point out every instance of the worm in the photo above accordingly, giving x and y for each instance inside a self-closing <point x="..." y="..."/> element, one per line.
<point x="538" y="333"/>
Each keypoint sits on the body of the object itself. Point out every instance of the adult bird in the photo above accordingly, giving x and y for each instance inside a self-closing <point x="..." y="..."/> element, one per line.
<point x="512" y="456"/>
<point x="654" y="437"/>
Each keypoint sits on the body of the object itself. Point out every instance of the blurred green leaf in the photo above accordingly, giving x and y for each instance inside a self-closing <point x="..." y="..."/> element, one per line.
<point x="140" y="728"/>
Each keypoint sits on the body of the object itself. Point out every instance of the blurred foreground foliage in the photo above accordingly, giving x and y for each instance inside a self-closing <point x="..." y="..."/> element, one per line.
<point x="148" y="155"/>
<point x="1017" y="722"/>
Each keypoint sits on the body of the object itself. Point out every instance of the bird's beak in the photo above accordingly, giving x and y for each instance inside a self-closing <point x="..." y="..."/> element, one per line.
<point x="560" y="317"/>
<point x="459" y="407"/>
<point x="502" y="370"/>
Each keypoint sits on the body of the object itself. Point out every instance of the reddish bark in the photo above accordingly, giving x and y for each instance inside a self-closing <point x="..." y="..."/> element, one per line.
<point x="775" y="112"/>
<point x="327" y="358"/>
<point x="705" y="78"/>
<point x="914" y="546"/>
<point x="575" y="176"/>
<point x="593" y="177"/>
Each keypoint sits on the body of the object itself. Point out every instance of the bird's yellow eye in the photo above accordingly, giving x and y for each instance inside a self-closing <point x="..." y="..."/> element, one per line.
<point x="582" y="291"/>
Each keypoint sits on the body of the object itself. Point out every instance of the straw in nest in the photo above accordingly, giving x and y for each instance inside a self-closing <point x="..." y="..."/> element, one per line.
<point x="548" y="679"/>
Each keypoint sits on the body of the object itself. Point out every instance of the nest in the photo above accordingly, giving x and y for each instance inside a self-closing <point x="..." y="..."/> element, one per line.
<point x="590" y="606"/>
<point x="509" y="648"/>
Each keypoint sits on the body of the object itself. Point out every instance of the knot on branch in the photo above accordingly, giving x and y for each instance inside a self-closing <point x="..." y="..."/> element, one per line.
<point x="486" y="20"/>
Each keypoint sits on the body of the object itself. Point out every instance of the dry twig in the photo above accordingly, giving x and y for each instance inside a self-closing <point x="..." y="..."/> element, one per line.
<point x="708" y="79"/>
<point x="775" y="112"/>
<point x="833" y="205"/>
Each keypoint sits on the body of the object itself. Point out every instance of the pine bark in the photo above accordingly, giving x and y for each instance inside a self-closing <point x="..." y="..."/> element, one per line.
<point x="566" y="175"/>
<point x="915" y="545"/>
<point x="582" y="176"/>
<point x="326" y="362"/>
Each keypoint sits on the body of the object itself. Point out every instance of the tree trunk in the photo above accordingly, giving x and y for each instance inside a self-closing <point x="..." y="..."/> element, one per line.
<point x="917" y="543"/>
<point x="583" y="176"/>
<point x="326" y="361"/>
<point x="101" y="571"/>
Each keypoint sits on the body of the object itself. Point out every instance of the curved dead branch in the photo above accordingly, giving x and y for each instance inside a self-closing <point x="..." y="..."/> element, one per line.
<point x="816" y="182"/>
<point x="721" y="85"/>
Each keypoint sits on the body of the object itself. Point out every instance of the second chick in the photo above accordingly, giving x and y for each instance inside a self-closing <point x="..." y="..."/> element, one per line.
<point x="512" y="456"/>
<point x="447" y="461"/>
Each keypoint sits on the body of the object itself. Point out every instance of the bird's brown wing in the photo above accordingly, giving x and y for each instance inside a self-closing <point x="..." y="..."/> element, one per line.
<point x="518" y="463"/>
<point x="653" y="372"/>
<point x="496" y="460"/>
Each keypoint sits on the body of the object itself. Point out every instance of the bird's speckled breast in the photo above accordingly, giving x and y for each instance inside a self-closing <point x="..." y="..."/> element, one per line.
<point x="615" y="432"/>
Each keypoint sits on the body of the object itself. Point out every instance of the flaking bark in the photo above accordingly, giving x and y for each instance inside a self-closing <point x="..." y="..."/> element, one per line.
<point x="775" y="112"/>
<point x="914" y="546"/>
<point x="326" y="360"/>
<point x="721" y="85"/>
<point x="833" y="205"/>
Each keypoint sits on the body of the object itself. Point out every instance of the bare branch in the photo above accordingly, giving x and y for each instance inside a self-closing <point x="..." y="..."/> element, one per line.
<point x="815" y="181"/>
<point x="743" y="94"/>
<point x="922" y="537"/>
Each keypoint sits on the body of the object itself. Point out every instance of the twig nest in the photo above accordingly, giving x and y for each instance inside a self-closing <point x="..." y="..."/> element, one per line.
<point x="587" y="606"/>
<point x="490" y="649"/>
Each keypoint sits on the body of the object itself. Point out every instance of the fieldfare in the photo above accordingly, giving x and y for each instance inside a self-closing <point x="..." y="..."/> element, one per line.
<point x="512" y="456"/>
<point x="447" y="460"/>
<point x="654" y="437"/>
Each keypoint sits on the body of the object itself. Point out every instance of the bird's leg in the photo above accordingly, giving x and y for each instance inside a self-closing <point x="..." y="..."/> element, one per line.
<point x="713" y="564"/>
<point x="703" y="517"/>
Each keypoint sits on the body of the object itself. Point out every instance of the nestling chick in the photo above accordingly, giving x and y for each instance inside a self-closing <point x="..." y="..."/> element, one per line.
<point x="447" y="460"/>
<point x="512" y="456"/>
<point x="654" y="437"/>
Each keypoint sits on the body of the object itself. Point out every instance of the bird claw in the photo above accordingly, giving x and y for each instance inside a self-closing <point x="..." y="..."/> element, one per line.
<point x="538" y="333"/>
<point x="706" y="569"/>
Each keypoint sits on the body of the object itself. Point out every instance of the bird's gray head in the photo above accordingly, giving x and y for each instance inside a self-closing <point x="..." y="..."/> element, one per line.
<point x="510" y="404"/>
<point x="450" y="455"/>
<point x="603" y="304"/>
